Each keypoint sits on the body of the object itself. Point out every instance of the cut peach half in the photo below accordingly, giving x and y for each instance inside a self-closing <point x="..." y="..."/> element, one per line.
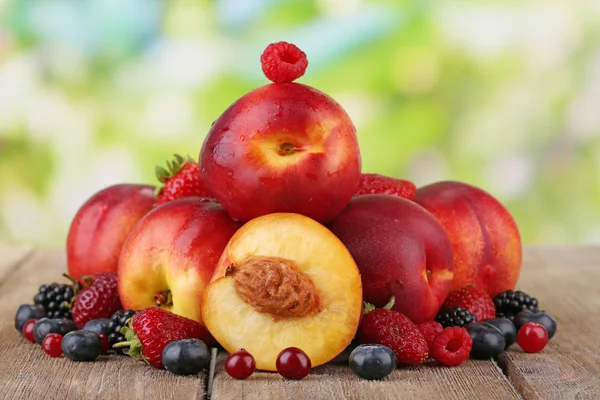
<point x="284" y="280"/>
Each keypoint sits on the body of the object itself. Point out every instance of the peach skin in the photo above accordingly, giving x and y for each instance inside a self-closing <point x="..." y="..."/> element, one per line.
<point x="283" y="147"/>
<point x="401" y="250"/>
<point x="101" y="225"/>
<point x="171" y="254"/>
<point x="484" y="235"/>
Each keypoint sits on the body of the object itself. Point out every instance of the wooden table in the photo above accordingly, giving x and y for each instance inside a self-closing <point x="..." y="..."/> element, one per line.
<point x="566" y="281"/>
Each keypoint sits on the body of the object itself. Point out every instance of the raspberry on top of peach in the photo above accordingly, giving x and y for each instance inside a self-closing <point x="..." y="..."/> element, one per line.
<point x="284" y="280"/>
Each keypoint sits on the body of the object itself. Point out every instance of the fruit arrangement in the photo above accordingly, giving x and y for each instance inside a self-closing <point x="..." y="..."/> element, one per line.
<point x="276" y="247"/>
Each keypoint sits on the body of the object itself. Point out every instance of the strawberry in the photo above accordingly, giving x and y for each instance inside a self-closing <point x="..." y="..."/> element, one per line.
<point x="150" y="330"/>
<point x="475" y="300"/>
<point x="96" y="297"/>
<point x="180" y="179"/>
<point x="379" y="184"/>
<point x="430" y="330"/>
<point x="394" y="330"/>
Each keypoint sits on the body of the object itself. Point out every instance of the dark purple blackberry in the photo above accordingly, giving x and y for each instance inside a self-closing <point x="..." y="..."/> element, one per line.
<point x="55" y="299"/>
<point x="454" y="317"/>
<point x="117" y="322"/>
<point x="510" y="303"/>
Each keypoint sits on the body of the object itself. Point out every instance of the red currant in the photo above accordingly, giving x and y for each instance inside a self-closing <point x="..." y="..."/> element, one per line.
<point x="105" y="344"/>
<point x="52" y="344"/>
<point x="293" y="363"/>
<point x="28" y="330"/>
<point x="240" y="365"/>
<point x="532" y="337"/>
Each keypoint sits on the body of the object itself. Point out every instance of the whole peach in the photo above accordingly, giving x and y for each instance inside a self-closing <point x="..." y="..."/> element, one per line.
<point x="101" y="225"/>
<point x="283" y="147"/>
<point x="401" y="250"/>
<point x="171" y="254"/>
<point x="484" y="235"/>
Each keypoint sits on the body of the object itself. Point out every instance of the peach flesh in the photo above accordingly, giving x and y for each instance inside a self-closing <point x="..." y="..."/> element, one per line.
<point x="302" y="289"/>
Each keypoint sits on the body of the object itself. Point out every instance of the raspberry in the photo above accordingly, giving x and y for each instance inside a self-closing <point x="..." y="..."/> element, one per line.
<point x="283" y="62"/>
<point x="452" y="346"/>
<point x="430" y="330"/>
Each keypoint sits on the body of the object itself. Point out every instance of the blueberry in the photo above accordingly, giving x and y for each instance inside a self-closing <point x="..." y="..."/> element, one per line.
<point x="25" y="312"/>
<point x="488" y="341"/>
<point x="506" y="327"/>
<point x="45" y="326"/>
<point x="540" y="317"/>
<point x="99" y="325"/>
<point x="372" y="361"/>
<point x="186" y="356"/>
<point x="81" y="345"/>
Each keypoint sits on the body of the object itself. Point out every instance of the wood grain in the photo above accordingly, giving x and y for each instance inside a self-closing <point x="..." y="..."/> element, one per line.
<point x="11" y="257"/>
<point x="565" y="281"/>
<point x="473" y="379"/>
<point x="26" y="372"/>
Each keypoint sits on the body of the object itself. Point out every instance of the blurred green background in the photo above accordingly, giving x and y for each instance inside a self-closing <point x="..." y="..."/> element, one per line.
<point x="503" y="95"/>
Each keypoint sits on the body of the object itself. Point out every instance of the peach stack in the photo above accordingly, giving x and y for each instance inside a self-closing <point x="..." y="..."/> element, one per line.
<point x="293" y="237"/>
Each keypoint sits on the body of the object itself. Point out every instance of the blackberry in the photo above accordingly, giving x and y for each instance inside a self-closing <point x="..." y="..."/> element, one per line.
<point x="55" y="299"/>
<point x="455" y="317"/>
<point x="117" y="322"/>
<point x="510" y="303"/>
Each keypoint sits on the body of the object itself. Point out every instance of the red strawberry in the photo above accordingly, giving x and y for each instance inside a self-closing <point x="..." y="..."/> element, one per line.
<point x="181" y="178"/>
<point x="430" y="330"/>
<point x="379" y="184"/>
<point x="475" y="300"/>
<point x="394" y="330"/>
<point x="150" y="330"/>
<point x="96" y="297"/>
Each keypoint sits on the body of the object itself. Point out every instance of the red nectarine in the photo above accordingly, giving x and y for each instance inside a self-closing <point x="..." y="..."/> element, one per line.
<point x="401" y="250"/>
<point x="283" y="147"/>
<point x="171" y="254"/>
<point x="101" y="225"/>
<point x="484" y="235"/>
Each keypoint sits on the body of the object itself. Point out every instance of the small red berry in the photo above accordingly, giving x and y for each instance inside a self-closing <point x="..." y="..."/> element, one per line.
<point x="52" y="344"/>
<point x="283" y="62"/>
<point x="293" y="363"/>
<point x="240" y="365"/>
<point x="532" y="337"/>
<point x="28" y="330"/>
<point x="105" y="343"/>
<point x="430" y="330"/>
<point x="452" y="346"/>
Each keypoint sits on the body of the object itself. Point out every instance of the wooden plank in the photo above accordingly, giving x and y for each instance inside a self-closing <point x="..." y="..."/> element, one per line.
<point x="472" y="380"/>
<point x="10" y="258"/>
<point x="565" y="281"/>
<point x="26" y="372"/>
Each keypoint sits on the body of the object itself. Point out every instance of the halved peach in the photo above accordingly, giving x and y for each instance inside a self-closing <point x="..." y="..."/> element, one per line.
<point x="284" y="280"/>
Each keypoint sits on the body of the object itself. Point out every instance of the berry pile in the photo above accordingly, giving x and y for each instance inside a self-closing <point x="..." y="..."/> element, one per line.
<point x="284" y="132"/>
<point x="55" y="299"/>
